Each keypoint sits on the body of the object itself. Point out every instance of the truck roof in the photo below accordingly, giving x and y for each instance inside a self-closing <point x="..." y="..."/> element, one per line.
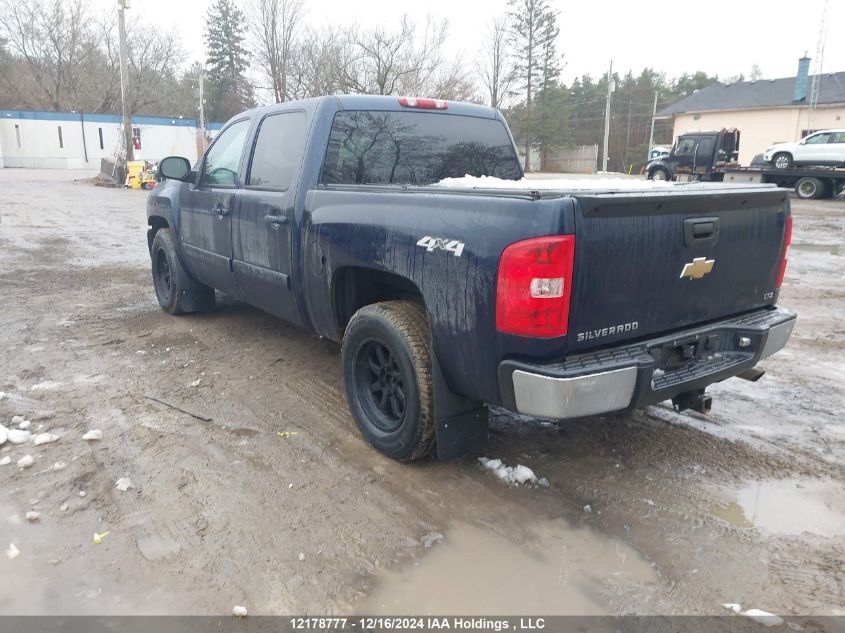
<point x="384" y="103"/>
<point x="391" y="103"/>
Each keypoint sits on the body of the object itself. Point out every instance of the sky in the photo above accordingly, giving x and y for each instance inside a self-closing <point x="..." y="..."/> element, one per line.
<point x="724" y="37"/>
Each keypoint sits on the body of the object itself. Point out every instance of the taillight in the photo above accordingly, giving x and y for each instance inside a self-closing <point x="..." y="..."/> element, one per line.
<point x="787" y="240"/>
<point x="424" y="104"/>
<point x="535" y="282"/>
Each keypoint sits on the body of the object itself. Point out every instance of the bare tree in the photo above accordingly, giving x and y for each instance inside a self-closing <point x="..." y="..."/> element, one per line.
<point x="154" y="57"/>
<point x="454" y="82"/>
<point x="54" y="41"/>
<point x="273" y="28"/>
<point x="320" y="63"/>
<point x="495" y="65"/>
<point x="397" y="61"/>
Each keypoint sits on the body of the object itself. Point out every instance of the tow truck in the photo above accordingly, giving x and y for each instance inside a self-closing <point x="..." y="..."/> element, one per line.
<point x="713" y="156"/>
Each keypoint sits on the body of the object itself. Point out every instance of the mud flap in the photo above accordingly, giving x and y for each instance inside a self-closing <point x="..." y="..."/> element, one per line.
<point x="461" y="423"/>
<point x="196" y="297"/>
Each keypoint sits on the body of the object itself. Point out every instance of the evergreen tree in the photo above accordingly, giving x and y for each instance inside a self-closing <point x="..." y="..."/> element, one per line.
<point x="534" y="38"/>
<point x="229" y="92"/>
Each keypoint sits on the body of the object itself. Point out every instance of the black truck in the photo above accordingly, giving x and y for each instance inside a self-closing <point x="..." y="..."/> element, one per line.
<point x="712" y="157"/>
<point x="549" y="303"/>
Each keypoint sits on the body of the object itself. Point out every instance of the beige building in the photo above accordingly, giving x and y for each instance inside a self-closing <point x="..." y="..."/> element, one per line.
<point x="767" y="111"/>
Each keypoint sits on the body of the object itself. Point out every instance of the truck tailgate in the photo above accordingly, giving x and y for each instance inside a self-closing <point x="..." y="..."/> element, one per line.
<point x="650" y="263"/>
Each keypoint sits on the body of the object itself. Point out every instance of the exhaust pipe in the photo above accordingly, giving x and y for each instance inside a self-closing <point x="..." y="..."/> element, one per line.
<point x="695" y="400"/>
<point x="754" y="374"/>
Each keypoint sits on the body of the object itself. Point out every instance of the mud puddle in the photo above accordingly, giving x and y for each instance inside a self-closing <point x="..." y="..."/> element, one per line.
<point x="561" y="570"/>
<point x="787" y="506"/>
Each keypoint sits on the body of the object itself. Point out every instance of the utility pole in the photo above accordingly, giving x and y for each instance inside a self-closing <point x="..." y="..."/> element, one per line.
<point x="651" y="134"/>
<point x="607" y="117"/>
<point x="123" y="5"/>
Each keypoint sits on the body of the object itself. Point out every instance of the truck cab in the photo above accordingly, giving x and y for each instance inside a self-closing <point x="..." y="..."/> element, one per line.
<point x="697" y="155"/>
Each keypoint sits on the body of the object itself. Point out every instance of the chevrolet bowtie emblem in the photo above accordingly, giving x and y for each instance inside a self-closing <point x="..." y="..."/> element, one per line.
<point x="697" y="268"/>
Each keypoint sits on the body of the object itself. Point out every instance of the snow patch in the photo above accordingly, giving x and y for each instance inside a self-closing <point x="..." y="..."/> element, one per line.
<point x="16" y="436"/>
<point x="93" y="434"/>
<point x="47" y="385"/>
<point x="26" y="461"/>
<point x="757" y="615"/>
<point x="510" y="475"/>
<point x="45" y="438"/>
<point x="123" y="484"/>
<point x="558" y="184"/>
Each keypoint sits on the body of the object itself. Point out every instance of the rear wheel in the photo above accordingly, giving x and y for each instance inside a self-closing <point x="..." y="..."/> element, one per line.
<point x="175" y="290"/>
<point x="782" y="160"/>
<point x="386" y="358"/>
<point x="809" y="188"/>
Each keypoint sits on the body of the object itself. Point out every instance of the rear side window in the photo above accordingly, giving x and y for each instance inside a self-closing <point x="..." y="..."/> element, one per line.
<point x="416" y="148"/>
<point x="705" y="148"/>
<point x="278" y="151"/>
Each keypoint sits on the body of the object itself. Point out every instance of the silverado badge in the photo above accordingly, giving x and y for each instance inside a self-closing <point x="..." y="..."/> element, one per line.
<point x="697" y="268"/>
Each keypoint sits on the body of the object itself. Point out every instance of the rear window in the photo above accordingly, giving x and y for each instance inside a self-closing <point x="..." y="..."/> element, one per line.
<point x="416" y="148"/>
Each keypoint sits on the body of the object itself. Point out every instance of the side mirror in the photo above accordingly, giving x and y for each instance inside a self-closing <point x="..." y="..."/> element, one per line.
<point x="174" y="168"/>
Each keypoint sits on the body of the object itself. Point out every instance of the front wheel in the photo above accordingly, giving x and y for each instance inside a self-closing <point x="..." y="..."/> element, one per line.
<point x="386" y="357"/>
<point x="175" y="290"/>
<point x="659" y="174"/>
<point x="782" y="160"/>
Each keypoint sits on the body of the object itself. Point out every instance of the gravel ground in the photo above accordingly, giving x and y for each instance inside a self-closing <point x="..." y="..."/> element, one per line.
<point x="251" y="485"/>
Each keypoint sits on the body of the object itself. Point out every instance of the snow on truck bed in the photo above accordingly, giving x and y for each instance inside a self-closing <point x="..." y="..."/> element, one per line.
<point x="601" y="183"/>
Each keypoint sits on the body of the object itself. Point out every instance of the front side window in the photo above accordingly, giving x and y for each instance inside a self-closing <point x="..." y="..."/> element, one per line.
<point x="416" y="148"/>
<point x="278" y="151"/>
<point x="818" y="139"/>
<point x="840" y="137"/>
<point x="685" y="146"/>
<point x="220" y="168"/>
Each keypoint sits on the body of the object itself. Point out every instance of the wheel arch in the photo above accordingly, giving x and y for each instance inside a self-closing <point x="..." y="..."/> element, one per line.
<point x="156" y="223"/>
<point x="354" y="287"/>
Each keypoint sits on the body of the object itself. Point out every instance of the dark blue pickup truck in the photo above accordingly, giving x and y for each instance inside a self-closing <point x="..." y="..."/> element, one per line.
<point x="549" y="303"/>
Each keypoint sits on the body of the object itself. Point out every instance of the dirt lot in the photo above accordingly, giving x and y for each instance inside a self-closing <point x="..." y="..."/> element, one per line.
<point x="652" y="512"/>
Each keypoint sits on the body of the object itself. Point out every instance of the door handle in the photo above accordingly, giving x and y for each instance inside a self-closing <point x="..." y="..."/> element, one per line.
<point x="276" y="220"/>
<point x="220" y="210"/>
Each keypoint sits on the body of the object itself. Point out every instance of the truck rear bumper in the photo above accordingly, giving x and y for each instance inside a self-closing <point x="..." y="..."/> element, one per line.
<point x="646" y="372"/>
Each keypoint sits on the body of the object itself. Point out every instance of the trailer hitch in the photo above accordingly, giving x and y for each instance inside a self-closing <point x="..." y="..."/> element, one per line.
<point x="695" y="400"/>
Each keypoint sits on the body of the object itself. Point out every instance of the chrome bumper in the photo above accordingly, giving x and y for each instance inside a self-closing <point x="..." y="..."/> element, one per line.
<point x="630" y="377"/>
<point x="550" y="397"/>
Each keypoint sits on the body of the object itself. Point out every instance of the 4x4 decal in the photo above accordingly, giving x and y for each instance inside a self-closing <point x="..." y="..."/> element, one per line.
<point x="442" y="243"/>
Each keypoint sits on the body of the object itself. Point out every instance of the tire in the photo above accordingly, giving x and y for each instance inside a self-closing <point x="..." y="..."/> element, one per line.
<point x="176" y="292"/>
<point x="659" y="174"/>
<point x="386" y="357"/>
<point x="782" y="160"/>
<point x="809" y="188"/>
